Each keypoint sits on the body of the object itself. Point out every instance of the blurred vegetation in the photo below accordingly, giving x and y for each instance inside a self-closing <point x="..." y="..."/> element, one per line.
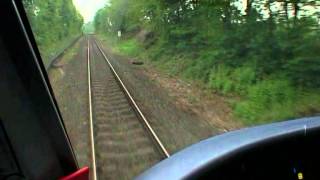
<point x="88" y="28"/>
<point x="55" y="25"/>
<point x="264" y="53"/>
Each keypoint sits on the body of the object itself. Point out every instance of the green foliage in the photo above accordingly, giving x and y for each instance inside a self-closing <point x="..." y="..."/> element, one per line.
<point x="229" y="80"/>
<point x="220" y="79"/>
<point x="244" y="78"/>
<point x="88" y="28"/>
<point x="267" y="98"/>
<point x="199" y="69"/>
<point x="130" y="48"/>
<point x="53" y="23"/>
<point x="266" y="54"/>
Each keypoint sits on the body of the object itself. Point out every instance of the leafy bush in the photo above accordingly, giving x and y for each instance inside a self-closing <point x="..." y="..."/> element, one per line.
<point x="129" y="47"/>
<point x="199" y="69"/>
<point x="262" y="56"/>
<point x="225" y="79"/>
<point x="267" y="100"/>
<point x="244" y="77"/>
<point x="219" y="77"/>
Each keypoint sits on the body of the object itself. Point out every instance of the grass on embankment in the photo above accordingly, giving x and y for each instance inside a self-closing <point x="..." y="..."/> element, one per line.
<point x="253" y="101"/>
<point x="50" y="51"/>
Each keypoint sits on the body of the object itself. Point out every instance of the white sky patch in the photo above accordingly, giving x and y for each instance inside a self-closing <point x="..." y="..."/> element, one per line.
<point x="88" y="8"/>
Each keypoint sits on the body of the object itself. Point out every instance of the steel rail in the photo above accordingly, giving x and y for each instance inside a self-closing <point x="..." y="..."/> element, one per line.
<point x="93" y="152"/>
<point x="135" y="106"/>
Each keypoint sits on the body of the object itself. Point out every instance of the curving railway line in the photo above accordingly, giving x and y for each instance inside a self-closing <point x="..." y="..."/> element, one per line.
<point x="123" y="143"/>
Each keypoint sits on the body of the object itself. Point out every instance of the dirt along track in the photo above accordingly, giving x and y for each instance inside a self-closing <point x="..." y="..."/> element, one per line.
<point x="177" y="127"/>
<point x="68" y="79"/>
<point x="123" y="146"/>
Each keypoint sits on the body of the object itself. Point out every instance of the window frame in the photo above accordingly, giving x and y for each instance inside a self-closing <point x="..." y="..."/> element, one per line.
<point x="32" y="121"/>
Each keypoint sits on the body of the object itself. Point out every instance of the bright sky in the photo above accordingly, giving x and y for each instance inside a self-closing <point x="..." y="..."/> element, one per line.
<point x="88" y="8"/>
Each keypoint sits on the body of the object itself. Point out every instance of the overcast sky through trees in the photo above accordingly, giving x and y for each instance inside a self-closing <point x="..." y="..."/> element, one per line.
<point x="88" y="8"/>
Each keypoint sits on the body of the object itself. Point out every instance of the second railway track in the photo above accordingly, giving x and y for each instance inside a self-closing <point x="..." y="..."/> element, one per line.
<point x="123" y="142"/>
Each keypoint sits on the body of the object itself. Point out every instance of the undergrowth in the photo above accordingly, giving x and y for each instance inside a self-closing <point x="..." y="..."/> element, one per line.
<point x="259" y="101"/>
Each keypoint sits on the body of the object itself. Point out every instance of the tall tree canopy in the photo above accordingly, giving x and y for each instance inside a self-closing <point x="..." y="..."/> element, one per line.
<point x="244" y="47"/>
<point x="269" y="33"/>
<point x="52" y="22"/>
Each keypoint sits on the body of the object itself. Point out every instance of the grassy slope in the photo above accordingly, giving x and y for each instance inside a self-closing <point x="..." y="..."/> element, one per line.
<point x="49" y="52"/>
<point x="269" y="100"/>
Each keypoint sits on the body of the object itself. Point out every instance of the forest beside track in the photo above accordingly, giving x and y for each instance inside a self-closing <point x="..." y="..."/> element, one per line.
<point x="261" y="56"/>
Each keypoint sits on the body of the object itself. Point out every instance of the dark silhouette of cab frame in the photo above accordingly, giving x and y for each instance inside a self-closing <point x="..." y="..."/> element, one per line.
<point x="34" y="143"/>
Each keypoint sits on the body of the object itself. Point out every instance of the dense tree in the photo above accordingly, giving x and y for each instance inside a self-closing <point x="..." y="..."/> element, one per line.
<point x="53" y="22"/>
<point x="270" y="31"/>
<point x="213" y="41"/>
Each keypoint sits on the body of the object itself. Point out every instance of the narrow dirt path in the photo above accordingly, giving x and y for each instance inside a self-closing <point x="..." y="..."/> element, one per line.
<point x="69" y="82"/>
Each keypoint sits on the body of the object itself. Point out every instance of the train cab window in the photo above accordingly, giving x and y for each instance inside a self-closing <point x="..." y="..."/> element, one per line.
<point x="141" y="83"/>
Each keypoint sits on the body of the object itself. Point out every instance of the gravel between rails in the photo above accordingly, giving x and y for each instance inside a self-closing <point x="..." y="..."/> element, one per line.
<point x="123" y="147"/>
<point x="176" y="127"/>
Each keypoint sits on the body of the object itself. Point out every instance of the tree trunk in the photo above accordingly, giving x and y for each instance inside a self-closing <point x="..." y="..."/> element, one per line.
<point x="248" y="7"/>
<point x="227" y="15"/>
<point x="296" y="9"/>
<point x="270" y="19"/>
<point x="285" y="8"/>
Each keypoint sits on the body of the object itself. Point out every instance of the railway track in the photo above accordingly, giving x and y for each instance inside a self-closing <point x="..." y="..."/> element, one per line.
<point x="123" y="143"/>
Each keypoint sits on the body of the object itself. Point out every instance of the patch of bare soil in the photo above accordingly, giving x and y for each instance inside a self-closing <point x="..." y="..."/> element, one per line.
<point x="180" y="114"/>
<point x="208" y="106"/>
<point x="69" y="82"/>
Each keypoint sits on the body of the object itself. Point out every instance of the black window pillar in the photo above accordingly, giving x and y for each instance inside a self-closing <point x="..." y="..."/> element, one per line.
<point x="29" y="116"/>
